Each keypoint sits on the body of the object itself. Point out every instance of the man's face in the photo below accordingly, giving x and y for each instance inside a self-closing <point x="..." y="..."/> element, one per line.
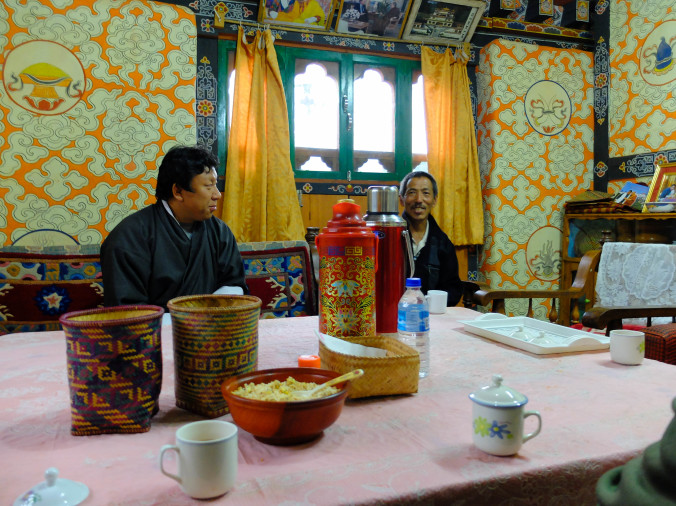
<point x="200" y="203"/>
<point x="419" y="198"/>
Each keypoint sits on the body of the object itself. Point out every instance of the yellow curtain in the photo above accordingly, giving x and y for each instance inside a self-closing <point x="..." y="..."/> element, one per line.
<point x="451" y="147"/>
<point x="260" y="201"/>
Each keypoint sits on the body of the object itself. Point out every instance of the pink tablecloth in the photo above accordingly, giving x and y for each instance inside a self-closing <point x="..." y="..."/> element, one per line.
<point x="395" y="450"/>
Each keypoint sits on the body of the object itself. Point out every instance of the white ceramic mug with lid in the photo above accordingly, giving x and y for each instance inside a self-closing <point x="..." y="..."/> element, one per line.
<point x="498" y="419"/>
<point x="207" y="458"/>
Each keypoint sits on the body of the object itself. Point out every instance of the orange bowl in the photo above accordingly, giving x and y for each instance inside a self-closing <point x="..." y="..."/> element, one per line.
<point x="285" y="423"/>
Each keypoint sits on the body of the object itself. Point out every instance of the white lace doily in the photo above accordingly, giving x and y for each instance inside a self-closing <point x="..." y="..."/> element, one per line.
<point x="636" y="274"/>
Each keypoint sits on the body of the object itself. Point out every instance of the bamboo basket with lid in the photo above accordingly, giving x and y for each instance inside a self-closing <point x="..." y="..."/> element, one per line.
<point x="394" y="374"/>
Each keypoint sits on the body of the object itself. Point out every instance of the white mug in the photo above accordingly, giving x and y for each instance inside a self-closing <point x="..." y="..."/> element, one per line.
<point x="437" y="300"/>
<point x="627" y="346"/>
<point x="207" y="458"/>
<point x="499" y="431"/>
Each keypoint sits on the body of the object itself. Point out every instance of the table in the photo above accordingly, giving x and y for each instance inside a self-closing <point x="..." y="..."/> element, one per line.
<point x="394" y="450"/>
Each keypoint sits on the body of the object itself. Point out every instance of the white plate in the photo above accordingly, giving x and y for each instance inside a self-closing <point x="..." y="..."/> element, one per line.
<point x="533" y="335"/>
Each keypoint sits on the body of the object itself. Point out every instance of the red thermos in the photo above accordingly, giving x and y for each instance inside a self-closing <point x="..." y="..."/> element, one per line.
<point x="347" y="266"/>
<point x="390" y="228"/>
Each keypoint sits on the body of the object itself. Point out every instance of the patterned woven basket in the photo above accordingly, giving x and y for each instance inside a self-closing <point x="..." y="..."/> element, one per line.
<point x="397" y="373"/>
<point x="215" y="337"/>
<point x="114" y="358"/>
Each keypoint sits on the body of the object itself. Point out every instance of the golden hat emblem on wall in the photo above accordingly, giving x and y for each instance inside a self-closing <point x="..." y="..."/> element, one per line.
<point x="36" y="84"/>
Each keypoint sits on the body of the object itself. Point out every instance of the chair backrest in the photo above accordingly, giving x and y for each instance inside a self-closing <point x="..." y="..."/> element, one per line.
<point x="280" y="274"/>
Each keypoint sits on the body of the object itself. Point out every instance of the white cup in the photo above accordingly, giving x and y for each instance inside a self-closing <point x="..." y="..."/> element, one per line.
<point x="499" y="431"/>
<point x="207" y="458"/>
<point x="627" y="346"/>
<point x="437" y="301"/>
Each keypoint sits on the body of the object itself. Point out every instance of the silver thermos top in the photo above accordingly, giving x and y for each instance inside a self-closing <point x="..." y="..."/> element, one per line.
<point x="383" y="205"/>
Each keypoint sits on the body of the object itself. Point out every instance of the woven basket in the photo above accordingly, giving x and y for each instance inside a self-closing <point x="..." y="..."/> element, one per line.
<point x="114" y="358"/>
<point x="397" y="373"/>
<point x="215" y="337"/>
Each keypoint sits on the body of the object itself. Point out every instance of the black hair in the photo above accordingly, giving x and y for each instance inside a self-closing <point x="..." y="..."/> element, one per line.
<point x="418" y="173"/>
<point x="179" y="166"/>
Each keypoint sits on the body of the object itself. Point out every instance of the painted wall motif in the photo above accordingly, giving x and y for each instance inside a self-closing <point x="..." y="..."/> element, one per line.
<point x="642" y="112"/>
<point x="92" y="94"/>
<point x="536" y="134"/>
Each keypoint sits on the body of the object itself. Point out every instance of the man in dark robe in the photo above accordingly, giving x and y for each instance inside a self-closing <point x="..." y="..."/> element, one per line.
<point x="176" y="246"/>
<point x="436" y="263"/>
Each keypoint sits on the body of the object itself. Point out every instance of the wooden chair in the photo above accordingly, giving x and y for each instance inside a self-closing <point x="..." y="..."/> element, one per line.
<point x="610" y="318"/>
<point x="596" y="317"/>
<point x="583" y="285"/>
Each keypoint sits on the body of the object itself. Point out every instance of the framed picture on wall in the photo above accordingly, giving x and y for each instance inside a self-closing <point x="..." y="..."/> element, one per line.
<point x="443" y="21"/>
<point x="662" y="193"/>
<point x="384" y="18"/>
<point x="303" y="14"/>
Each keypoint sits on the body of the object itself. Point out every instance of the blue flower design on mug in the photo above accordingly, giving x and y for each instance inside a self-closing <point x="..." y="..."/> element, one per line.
<point x="500" y="430"/>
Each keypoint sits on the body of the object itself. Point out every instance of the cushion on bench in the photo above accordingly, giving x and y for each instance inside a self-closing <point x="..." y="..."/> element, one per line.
<point x="39" y="284"/>
<point x="37" y="288"/>
<point x="660" y="343"/>
<point x="280" y="274"/>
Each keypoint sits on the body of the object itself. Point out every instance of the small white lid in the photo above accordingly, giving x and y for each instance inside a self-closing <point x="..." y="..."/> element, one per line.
<point x="54" y="491"/>
<point x="497" y="395"/>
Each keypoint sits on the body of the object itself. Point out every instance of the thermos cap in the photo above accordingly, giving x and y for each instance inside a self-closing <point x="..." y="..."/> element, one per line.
<point x="382" y="199"/>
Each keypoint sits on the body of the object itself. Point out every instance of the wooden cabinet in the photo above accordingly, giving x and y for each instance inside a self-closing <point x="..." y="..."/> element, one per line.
<point x="585" y="231"/>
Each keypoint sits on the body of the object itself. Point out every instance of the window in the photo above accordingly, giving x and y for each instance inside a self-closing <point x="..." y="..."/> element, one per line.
<point x="351" y="117"/>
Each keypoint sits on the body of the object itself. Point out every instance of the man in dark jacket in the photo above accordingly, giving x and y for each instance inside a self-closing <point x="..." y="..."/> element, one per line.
<point x="175" y="246"/>
<point x="436" y="263"/>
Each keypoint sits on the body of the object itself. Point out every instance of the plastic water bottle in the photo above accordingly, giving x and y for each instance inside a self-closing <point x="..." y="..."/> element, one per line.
<point x="413" y="323"/>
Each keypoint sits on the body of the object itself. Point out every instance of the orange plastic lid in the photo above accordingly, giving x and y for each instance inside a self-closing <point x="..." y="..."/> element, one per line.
<point x="309" y="361"/>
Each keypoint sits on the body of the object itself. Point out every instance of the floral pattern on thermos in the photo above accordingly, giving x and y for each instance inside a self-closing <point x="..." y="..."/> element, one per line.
<point x="347" y="291"/>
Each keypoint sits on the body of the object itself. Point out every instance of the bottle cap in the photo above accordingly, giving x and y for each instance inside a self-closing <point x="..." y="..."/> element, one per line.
<point x="309" y="361"/>
<point x="413" y="283"/>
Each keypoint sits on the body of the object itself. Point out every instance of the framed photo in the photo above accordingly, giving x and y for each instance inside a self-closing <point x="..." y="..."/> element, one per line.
<point x="632" y="195"/>
<point x="309" y="14"/>
<point x="662" y="193"/>
<point x="443" y="21"/>
<point x="384" y="18"/>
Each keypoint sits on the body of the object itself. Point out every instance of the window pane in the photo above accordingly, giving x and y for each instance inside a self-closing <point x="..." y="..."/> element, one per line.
<point x="231" y="88"/>
<point x="418" y="128"/>
<point x="373" y="111"/>
<point x="316" y="115"/>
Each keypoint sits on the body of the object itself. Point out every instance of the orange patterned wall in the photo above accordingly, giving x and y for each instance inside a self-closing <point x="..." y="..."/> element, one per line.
<point x="643" y="78"/>
<point x="536" y="124"/>
<point x="93" y="93"/>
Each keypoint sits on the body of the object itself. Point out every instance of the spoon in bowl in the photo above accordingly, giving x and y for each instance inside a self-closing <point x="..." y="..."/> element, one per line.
<point x="301" y="395"/>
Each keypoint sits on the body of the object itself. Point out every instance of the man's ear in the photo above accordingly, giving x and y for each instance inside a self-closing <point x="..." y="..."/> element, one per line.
<point x="177" y="191"/>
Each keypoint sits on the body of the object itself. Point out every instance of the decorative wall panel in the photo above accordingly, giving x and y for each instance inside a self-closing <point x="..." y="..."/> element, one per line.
<point x="642" y="112"/>
<point x="535" y="131"/>
<point x="93" y="93"/>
